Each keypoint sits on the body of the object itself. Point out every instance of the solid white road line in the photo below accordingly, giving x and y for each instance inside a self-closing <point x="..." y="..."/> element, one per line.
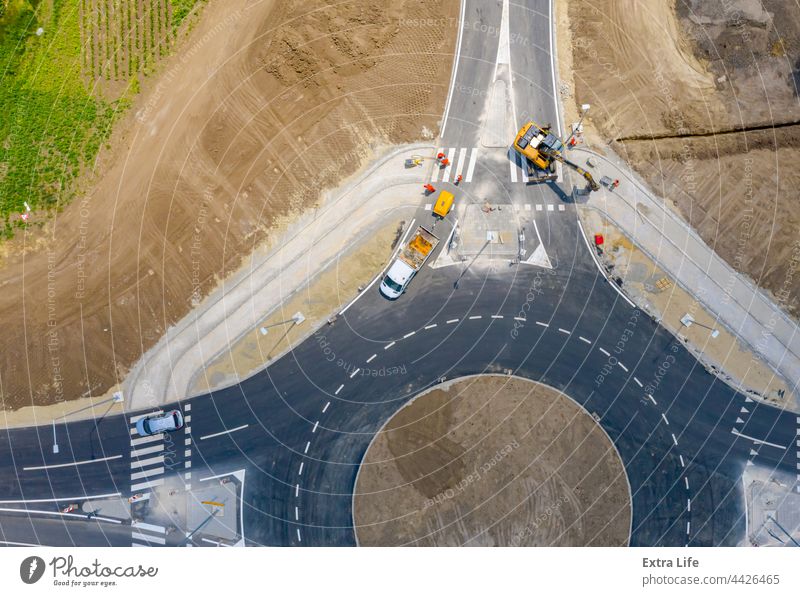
<point x="224" y="432"/>
<point x="59" y="499"/>
<point x="72" y="463"/>
<point x="41" y="512"/>
<point x="757" y="441"/>
<point x="473" y="157"/>
<point x="453" y="75"/>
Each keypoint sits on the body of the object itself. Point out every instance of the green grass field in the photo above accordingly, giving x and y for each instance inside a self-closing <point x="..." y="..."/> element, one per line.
<point x="54" y="118"/>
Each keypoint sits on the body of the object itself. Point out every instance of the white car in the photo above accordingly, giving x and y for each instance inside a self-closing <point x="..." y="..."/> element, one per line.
<point x="396" y="280"/>
<point x="159" y="423"/>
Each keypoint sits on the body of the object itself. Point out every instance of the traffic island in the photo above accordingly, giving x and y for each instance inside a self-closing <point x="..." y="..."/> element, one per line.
<point x="492" y="461"/>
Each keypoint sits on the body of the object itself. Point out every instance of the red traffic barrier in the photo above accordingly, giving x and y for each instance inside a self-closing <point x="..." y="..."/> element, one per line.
<point x="598" y="239"/>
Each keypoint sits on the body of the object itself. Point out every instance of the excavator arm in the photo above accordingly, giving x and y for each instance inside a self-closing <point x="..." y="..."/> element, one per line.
<point x="589" y="178"/>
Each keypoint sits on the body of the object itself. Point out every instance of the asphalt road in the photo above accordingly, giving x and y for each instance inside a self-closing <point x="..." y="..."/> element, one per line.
<point x="301" y="427"/>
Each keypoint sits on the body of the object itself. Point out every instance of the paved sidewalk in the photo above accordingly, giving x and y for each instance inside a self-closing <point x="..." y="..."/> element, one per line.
<point x="165" y="372"/>
<point x="740" y="306"/>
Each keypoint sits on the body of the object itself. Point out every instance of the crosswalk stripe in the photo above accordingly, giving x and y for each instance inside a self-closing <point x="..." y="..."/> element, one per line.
<point x="451" y="153"/>
<point x="147" y="473"/>
<point x="473" y="156"/>
<point x="149" y="527"/>
<point x="462" y="155"/>
<point x="523" y="167"/>
<point x="147" y="484"/>
<point x="512" y="163"/>
<point x="436" y="168"/>
<point x="141" y="463"/>
<point x="147" y="450"/>
<point x="148" y="538"/>
<point x="147" y="439"/>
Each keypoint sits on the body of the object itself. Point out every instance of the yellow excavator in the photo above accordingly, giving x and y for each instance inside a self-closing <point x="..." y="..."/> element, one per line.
<point x="541" y="150"/>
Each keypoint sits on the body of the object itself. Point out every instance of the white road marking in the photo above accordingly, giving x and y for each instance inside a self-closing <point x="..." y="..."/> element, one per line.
<point x="665" y="418"/>
<point x="144" y="440"/>
<point x="452" y="321"/>
<point x="337" y="392"/>
<point x="473" y="317"/>
<point x="430" y="326"/>
<point x="428" y="206"/>
<point x="147" y="484"/>
<point x="542" y="324"/>
<point x="513" y="164"/>
<point x="149" y="527"/>
<point x="147" y="473"/>
<point x="355" y="372"/>
<point x="224" y="432"/>
<point x="72" y="463"/>
<point x="561" y="207"/>
<point x="462" y="154"/>
<point x="683" y="465"/>
<point x="187" y="408"/>
<point x="758" y="441"/>
<point x="148" y="538"/>
<point x="497" y="316"/>
<point x="527" y="206"/>
<point x="407" y="335"/>
<point x="308" y="444"/>
<point x="564" y="331"/>
<point x="652" y="399"/>
<point x="137" y="417"/>
<point x="622" y="366"/>
<point x="371" y="358"/>
<point x="436" y="168"/>
<point x="452" y="82"/>
<point x="471" y="168"/>
<point x="300" y="471"/>
<point x="296" y="490"/>
<point x="296" y="513"/>
<point x="523" y="167"/>
<point x="638" y="382"/>
<point x="688" y="504"/>
<point x="520" y="319"/>
<point x="389" y="345"/>
<point x="450" y="156"/>
<point x="298" y="535"/>
<point x="325" y="409"/>
<point x="144" y="451"/>
<point x="688" y="527"/>
<point x="141" y="463"/>
<point x="584" y="340"/>
<point x="539" y="207"/>
<point x="316" y="424"/>
<point x="549" y="207"/>
<point x="607" y="353"/>
<point x="59" y="499"/>
<point x="686" y="480"/>
<point x="674" y="440"/>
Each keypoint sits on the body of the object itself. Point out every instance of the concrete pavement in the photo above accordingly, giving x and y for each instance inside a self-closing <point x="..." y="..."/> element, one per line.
<point x="743" y="308"/>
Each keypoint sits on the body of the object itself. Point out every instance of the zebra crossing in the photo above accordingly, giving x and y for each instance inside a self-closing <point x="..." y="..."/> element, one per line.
<point x="147" y="472"/>
<point x="462" y="161"/>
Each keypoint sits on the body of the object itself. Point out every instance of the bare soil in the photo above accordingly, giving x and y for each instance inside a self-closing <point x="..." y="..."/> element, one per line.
<point x="492" y="461"/>
<point x="670" y="84"/>
<point x="266" y="105"/>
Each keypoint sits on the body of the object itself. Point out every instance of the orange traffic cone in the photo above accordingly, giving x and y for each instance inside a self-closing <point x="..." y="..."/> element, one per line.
<point x="429" y="189"/>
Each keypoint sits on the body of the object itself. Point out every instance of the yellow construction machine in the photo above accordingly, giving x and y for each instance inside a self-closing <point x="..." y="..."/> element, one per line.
<point x="541" y="150"/>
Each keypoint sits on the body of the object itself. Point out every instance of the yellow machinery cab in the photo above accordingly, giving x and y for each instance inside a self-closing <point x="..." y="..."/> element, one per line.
<point x="443" y="204"/>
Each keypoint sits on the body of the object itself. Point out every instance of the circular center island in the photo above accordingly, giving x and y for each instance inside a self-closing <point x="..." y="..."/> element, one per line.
<point x="492" y="461"/>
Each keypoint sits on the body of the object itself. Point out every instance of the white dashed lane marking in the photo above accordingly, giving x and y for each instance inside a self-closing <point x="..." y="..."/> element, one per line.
<point x="652" y="399"/>
<point x="316" y="424"/>
<point x="665" y="418"/>
<point x="451" y="321"/>
<point x="564" y="331"/>
<point x="473" y="317"/>
<point x="638" y="382"/>
<point x="325" y="409"/>
<point x="674" y="440"/>
<point x="337" y="392"/>
<point x="355" y="372"/>
<point x="622" y="366"/>
<point x="371" y="358"/>
<point x="607" y="353"/>
<point x="300" y="471"/>
<point x="584" y="340"/>
<point x="407" y="335"/>
<point x="430" y="326"/>
<point x="542" y="324"/>
<point x="389" y="345"/>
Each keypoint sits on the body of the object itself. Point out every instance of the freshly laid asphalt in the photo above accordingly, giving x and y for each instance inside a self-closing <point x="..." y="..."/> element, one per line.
<point x="304" y="423"/>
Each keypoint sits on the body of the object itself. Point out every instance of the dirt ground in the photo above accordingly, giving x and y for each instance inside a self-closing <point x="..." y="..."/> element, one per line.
<point x="330" y="292"/>
<point x="656" y="293"/>
<point x="265" y="105"/>
<point x="492" y="461"/>
<point x="670" y="84"/>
